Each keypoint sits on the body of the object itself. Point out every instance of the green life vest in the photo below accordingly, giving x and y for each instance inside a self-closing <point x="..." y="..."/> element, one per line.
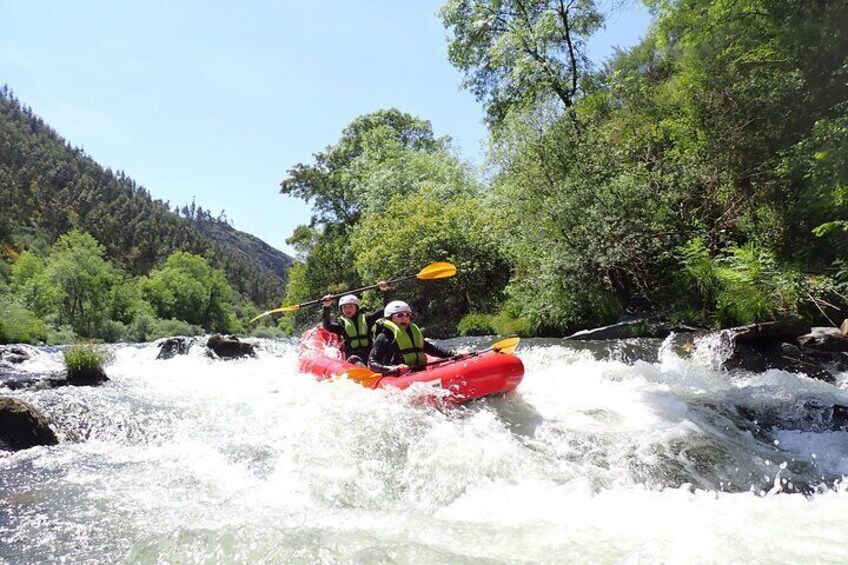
<point x="356" y="332"/>
<point x="412" y="350"/>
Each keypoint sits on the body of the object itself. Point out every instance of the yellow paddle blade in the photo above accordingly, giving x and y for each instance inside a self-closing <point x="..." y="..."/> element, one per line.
<point x="363" y="376"/>
<point x="262" y="315"/>
<point x="294" y="308"/>
<point x="507" y="345"/>
<point x="438" y="270"/>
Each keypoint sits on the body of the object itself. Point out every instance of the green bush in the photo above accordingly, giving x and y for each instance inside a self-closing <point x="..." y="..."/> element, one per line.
<point x="746" y="284"/>
<point x="61" y="335"/>
<point x="113" y="331"/>
<point x="81" y="358"/>
<point x="287" y="326"/>
<point x="475" y="324"/>
<point x="19" y="325"/>
<point x="142" y="325"/>
<point x="507" y="324"/>
<point x="269" y="332"/>
<point x="169" y="328"/>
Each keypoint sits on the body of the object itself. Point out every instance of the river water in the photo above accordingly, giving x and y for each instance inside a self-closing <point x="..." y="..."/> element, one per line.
<point x="595" y="459"/>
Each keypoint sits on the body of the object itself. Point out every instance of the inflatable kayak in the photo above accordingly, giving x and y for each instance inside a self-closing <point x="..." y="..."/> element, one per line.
<point x="489" y="373"/>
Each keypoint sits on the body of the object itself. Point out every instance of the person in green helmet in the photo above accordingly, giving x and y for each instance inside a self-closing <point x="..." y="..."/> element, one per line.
<point x="399" y="345"/>
<point x="353" y="326"/>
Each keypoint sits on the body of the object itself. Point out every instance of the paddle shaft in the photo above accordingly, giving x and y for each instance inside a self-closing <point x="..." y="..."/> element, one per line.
<point x="354" y="291"/>
<point x="449" y="359"/>
<point x="506" y="344"/>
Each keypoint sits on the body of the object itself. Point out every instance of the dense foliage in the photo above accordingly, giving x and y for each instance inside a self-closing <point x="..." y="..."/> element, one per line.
<point x="73" y="291"/>
<point x="389" y="199"/>
<point x="700" y="175"/>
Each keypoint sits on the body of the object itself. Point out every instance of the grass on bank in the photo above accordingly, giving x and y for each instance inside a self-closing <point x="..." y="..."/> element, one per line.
<point x="84" y="358"/>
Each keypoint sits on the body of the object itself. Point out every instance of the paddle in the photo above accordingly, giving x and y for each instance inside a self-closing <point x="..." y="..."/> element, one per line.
<point x="506" y="346"/>
<point x="368" y="378"/>
<point x="362" y="375"/>
<point x="437" y="270"/>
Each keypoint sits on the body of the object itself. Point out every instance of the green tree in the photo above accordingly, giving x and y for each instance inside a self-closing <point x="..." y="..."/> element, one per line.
<point x="341" y="185"/>
<point x="724" y="125"/>
<point x="187" y="288"/>
<point x="84" y="279"/>
<point x="330" y="184"/>
<point x="427" y="226"/>
<point x="517" y="53"/>
<point x="34" y="289"/>
<point x="18" y="324"/>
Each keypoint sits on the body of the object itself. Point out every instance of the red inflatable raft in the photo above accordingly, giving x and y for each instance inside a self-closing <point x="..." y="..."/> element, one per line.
<point x="487" y="374"/>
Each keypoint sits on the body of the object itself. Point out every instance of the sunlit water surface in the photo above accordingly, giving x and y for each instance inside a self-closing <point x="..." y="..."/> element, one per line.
<point x="193" y="460"/>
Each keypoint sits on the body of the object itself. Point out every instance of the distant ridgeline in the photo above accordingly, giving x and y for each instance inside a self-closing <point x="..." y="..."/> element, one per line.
<point x="48" y="187"/>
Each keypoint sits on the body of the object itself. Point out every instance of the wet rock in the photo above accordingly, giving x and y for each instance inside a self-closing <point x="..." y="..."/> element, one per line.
<point x="174" y="346"/>
<point x="834" y="361"/>
<point x="824" y="339"/>
<point x="768" y="332"/>
<point x="14" y="380"/>
<point x="90" y="376"/>
<point x="630" y="329"/>
<point x="776" y="355"/>
<point x="22" y="426"/>
<point x="229" y="347"/>
<point x="775" y="345"/>
<point x="13" y="355"/>
<point x="806" y="415"/>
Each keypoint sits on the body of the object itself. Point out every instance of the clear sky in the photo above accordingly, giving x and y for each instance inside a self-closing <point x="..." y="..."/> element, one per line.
<point x="215" y="101"/>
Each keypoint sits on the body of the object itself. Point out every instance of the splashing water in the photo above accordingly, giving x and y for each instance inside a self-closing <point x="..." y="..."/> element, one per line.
<point x="193" y="460"/>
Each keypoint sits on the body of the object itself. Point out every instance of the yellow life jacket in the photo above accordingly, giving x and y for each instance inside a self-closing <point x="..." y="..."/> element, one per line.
<point x="412" y="349"/>
<point x="356" y="332"/>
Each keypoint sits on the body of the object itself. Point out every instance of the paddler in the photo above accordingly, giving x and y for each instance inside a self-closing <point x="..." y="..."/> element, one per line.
<point x="399" y="345"/>
<point x="354" y="327"/>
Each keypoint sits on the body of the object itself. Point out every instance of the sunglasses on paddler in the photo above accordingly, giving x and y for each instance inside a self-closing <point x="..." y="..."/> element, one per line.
<point x="403" y="314"/>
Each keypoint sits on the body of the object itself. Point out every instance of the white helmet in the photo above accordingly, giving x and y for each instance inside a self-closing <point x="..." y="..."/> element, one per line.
<point x="348" y="299"/>
<point x="396" y="306"/>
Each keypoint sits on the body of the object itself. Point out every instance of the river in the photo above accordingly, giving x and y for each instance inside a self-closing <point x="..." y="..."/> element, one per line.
<point x="594" y="459"/>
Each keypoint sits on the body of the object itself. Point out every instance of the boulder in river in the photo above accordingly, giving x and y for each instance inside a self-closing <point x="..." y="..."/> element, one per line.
<point x="88" y="376"/>
<point x="830" y="340"/>
<point x="630" y="329"/>
<point x="174" y="346"/>
<point x="13" y="355"/>
<point x="229" y="347"/>
<point x="788" y="345"/>
<point x="22" y="426"/>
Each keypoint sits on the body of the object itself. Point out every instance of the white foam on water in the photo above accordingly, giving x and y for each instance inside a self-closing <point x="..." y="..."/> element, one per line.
<point x="195" y="460"/>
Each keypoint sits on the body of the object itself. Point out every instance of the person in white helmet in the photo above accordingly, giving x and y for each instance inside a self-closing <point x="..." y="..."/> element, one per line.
<point x="399" y="345"/>
<point x="353" y="326"/>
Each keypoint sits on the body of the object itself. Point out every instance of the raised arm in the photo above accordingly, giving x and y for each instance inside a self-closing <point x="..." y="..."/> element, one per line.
<point x="327" y="321"/>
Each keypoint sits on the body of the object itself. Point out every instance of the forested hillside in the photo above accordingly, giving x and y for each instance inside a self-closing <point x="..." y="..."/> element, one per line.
<point x="48" y="187"/>
<point x="700" y="176"/>
<point x="87" y="253"/>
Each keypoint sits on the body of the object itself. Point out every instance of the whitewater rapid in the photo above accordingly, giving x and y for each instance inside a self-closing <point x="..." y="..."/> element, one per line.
<point x="194" y="460"/>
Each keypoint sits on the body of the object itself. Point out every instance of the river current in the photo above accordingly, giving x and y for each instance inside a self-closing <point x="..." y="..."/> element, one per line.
<point x="596" y="458"/>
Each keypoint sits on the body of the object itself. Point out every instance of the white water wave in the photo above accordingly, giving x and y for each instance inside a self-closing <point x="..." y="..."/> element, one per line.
<point x="201" y="460"/>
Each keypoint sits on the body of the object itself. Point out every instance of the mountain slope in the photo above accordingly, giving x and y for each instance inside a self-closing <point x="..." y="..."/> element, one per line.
<point x="48" y="187"/>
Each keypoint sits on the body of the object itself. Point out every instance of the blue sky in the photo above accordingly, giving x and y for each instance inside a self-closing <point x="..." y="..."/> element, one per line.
<point x="217" y="100"/>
